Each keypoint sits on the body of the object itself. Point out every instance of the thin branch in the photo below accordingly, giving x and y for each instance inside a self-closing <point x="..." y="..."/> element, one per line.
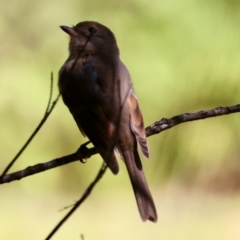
<point x="41" y="167"/>
<point x="45" y="117"/>
<point x="81" y="200"/>
<point x="50" y="94"/>
<point x="155" y="128"/>
<point x="165" y="123"/>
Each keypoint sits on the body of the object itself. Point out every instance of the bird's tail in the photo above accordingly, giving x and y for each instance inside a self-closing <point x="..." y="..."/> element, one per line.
<point x="142" y="193"/>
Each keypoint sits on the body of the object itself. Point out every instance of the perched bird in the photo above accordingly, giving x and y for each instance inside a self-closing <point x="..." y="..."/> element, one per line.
<point x="97" y="88"/>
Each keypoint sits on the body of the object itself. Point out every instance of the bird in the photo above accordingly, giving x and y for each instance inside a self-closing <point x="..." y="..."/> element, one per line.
<point x="97" y="89"/>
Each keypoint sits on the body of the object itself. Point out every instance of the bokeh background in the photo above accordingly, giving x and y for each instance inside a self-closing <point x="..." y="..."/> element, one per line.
<point x="183" y="57"/>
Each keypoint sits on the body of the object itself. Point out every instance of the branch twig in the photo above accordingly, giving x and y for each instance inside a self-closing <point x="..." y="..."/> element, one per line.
<point x="81" y="200"/>
<point x="165" y="123"/>
<point x="45" y="117"/>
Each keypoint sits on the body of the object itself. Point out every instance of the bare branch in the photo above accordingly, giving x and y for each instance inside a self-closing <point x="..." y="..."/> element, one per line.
<point x="155" y="128"/>
<point x="81" y="200"/>
<point x="81" y="154"/>
<point x="165" y="123"/>
<point x="45" y="117"/>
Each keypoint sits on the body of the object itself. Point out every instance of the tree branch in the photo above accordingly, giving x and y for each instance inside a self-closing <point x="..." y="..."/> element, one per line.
<point x="47" y="113"/>
<point x="84" y="152"/>
<point x="165" y="123"/>
<point x="80" y="201"/>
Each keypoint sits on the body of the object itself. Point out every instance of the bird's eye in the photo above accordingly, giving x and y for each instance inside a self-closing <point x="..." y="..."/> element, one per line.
<point x="92" y="30"/>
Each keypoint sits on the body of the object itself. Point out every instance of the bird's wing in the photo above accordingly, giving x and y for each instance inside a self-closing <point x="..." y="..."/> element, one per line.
<point x="100" y="131"/>
<point x="136" y="122"/>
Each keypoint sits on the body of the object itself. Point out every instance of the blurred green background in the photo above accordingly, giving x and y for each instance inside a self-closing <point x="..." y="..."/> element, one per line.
<point x="183" y="56"/>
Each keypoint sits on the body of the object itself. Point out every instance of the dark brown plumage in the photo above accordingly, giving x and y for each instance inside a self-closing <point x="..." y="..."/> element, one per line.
<point x="97" y="89"/>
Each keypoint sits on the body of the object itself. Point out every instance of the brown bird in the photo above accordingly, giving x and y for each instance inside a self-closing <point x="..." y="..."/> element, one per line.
<point x="97" y="88"/>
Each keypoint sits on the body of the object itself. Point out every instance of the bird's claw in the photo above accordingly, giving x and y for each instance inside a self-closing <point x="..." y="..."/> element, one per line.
<point x="83" y="150"/>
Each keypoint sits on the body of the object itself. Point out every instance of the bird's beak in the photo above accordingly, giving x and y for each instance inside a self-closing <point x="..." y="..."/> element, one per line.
<point x="69" y="30"/>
